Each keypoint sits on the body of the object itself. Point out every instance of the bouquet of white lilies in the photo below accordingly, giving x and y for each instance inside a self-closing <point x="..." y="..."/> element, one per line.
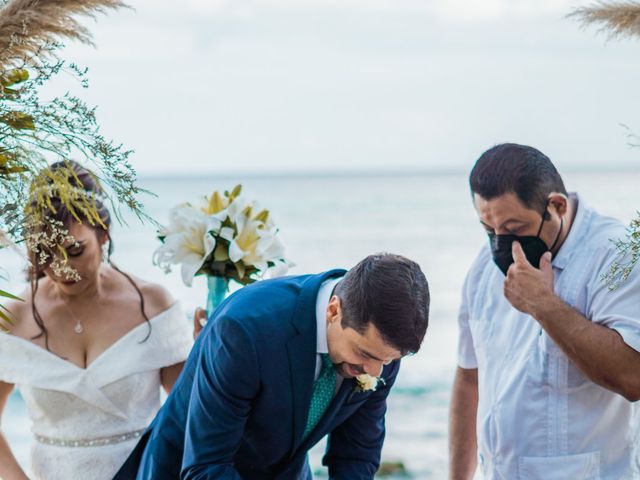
<point x="224" y="236"/>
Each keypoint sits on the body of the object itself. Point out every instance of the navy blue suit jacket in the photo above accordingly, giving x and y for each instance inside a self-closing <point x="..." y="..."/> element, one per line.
<point x="239" y="408"/>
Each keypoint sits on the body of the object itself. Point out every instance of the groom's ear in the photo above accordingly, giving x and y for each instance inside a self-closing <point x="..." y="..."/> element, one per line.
<point x="334" y="310"/>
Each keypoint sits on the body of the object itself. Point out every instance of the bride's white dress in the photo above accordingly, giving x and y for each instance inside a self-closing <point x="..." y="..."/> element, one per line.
<point x="87" y="421"/>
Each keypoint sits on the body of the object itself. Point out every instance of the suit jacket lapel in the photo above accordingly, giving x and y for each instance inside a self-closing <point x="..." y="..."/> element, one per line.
<point x="301" y="350"/>
<point x="302" y="368"/>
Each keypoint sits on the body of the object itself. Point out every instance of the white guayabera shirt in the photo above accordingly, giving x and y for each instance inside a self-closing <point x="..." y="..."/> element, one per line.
<point x="538" y="416"/>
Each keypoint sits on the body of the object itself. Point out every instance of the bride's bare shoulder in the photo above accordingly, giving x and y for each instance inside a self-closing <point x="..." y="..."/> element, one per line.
<point x="156" y="297"/>
<point x="20" y="312"/>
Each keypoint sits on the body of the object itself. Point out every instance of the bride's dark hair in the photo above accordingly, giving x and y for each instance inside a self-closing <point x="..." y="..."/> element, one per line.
<point x="88" y="184"/>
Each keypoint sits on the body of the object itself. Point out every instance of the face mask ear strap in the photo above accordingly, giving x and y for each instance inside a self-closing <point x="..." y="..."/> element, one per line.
<point x="545" y="216"/>
<point x="555" y="242"/>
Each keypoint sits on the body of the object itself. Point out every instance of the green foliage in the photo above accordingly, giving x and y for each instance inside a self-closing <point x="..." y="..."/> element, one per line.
<point x="36" y="132"/>
<point x="393" y="469"/>
<point x="5" y="314"/>
<point x="618" y="19"/>
<point x="628" y="256"/>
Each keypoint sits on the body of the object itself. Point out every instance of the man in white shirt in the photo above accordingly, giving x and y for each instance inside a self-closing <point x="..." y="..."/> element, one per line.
<point x="548" y="360"/>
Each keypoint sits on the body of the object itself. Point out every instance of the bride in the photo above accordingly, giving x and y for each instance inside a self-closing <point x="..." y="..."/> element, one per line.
<point x="88" y="355"/>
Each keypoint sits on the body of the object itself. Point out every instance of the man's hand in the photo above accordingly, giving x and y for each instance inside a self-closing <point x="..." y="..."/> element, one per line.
<point x="199" y="321"/>
<point x="526" y="287"/>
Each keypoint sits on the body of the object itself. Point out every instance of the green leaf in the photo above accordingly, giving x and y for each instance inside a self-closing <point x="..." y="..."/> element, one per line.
<point x="18" y="121"/>
<point x="6" y="317"/>
<point x="5" y="171"/>
<point x="17" y="75"/>
<point x="9" y="93"/>
<point x="9" y="295"/>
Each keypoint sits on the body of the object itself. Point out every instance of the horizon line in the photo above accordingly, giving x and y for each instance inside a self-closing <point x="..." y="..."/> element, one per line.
<point x="351" y="173"/>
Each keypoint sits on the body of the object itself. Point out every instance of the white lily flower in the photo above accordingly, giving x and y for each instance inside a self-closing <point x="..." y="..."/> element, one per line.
<point x="254" y="244"/>
<point x="227" y="233"/>
<point x="234" y="209"/>
<point x="279" y="269"/>
<point x="187" y="241"/>
<point x="222" y="234"/>
<point x="244" y="244"/>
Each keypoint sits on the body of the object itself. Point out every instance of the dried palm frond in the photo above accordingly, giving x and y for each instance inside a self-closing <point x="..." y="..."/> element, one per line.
<point x="27" y="25"/>
<point x="617" y="19"/>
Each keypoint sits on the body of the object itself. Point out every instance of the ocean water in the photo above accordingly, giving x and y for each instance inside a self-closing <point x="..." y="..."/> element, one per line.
<point x="328" y="222"/>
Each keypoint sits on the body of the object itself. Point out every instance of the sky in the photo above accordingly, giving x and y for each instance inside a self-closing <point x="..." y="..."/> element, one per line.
<point x="273" y="86"/>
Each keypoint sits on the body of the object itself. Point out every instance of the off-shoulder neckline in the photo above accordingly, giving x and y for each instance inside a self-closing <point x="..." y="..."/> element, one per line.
<point x="109" y="349"/>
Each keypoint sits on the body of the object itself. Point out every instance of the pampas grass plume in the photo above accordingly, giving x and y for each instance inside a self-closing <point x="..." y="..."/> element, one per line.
<point x="616" y="18"/>
<point x="28" y="25"/>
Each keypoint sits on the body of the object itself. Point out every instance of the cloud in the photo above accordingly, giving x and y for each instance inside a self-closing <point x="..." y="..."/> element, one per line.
<point x="466" y="10"/>
<point x="197" y="7"/>
<point x="261" y="84"/>
<point x="166" y="29"/>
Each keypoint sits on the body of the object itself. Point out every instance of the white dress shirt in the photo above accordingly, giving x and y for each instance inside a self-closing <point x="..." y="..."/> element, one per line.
<point x="322" y="302"/>
<point x="538" y="416"/>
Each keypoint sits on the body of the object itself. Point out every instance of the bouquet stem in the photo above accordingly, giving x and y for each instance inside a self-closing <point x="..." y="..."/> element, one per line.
<point x="218" y="288"/>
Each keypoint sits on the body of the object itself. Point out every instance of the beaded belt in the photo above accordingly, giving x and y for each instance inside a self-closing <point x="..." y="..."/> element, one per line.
<point x="95" y="442"/>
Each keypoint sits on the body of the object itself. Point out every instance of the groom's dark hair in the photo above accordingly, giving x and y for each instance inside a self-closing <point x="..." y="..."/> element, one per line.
<point x="390" y="292"/>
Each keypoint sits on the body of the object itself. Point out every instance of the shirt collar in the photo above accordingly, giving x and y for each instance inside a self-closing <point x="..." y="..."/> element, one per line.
<point x="578" y="230"/>
<point x="324" y="295"/>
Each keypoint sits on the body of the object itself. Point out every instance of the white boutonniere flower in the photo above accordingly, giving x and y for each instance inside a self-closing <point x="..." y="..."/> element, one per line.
<point x="367" y="383"/>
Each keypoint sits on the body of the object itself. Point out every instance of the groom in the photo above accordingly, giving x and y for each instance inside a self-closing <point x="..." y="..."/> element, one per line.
<point x="275" y="369"/>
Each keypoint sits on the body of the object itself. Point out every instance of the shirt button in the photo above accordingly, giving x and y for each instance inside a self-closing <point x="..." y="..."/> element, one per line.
<point x="481" y="460"/>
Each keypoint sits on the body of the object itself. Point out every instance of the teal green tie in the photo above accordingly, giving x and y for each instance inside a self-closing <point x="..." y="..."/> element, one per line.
<point x="323" y="390"/>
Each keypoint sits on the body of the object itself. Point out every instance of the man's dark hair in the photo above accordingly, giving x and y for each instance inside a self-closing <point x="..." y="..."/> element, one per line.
<point x="390" y="292"/>
<point x="518" y="169"/>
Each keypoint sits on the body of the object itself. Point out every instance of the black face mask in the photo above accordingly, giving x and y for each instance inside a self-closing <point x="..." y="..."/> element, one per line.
<point x="533" y="247"/>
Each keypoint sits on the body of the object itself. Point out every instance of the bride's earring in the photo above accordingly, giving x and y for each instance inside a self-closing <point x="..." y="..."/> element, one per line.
<point x="105" y="252"/>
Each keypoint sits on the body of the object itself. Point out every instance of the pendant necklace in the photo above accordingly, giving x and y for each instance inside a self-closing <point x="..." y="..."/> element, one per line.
<point x="78" y="328"/>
